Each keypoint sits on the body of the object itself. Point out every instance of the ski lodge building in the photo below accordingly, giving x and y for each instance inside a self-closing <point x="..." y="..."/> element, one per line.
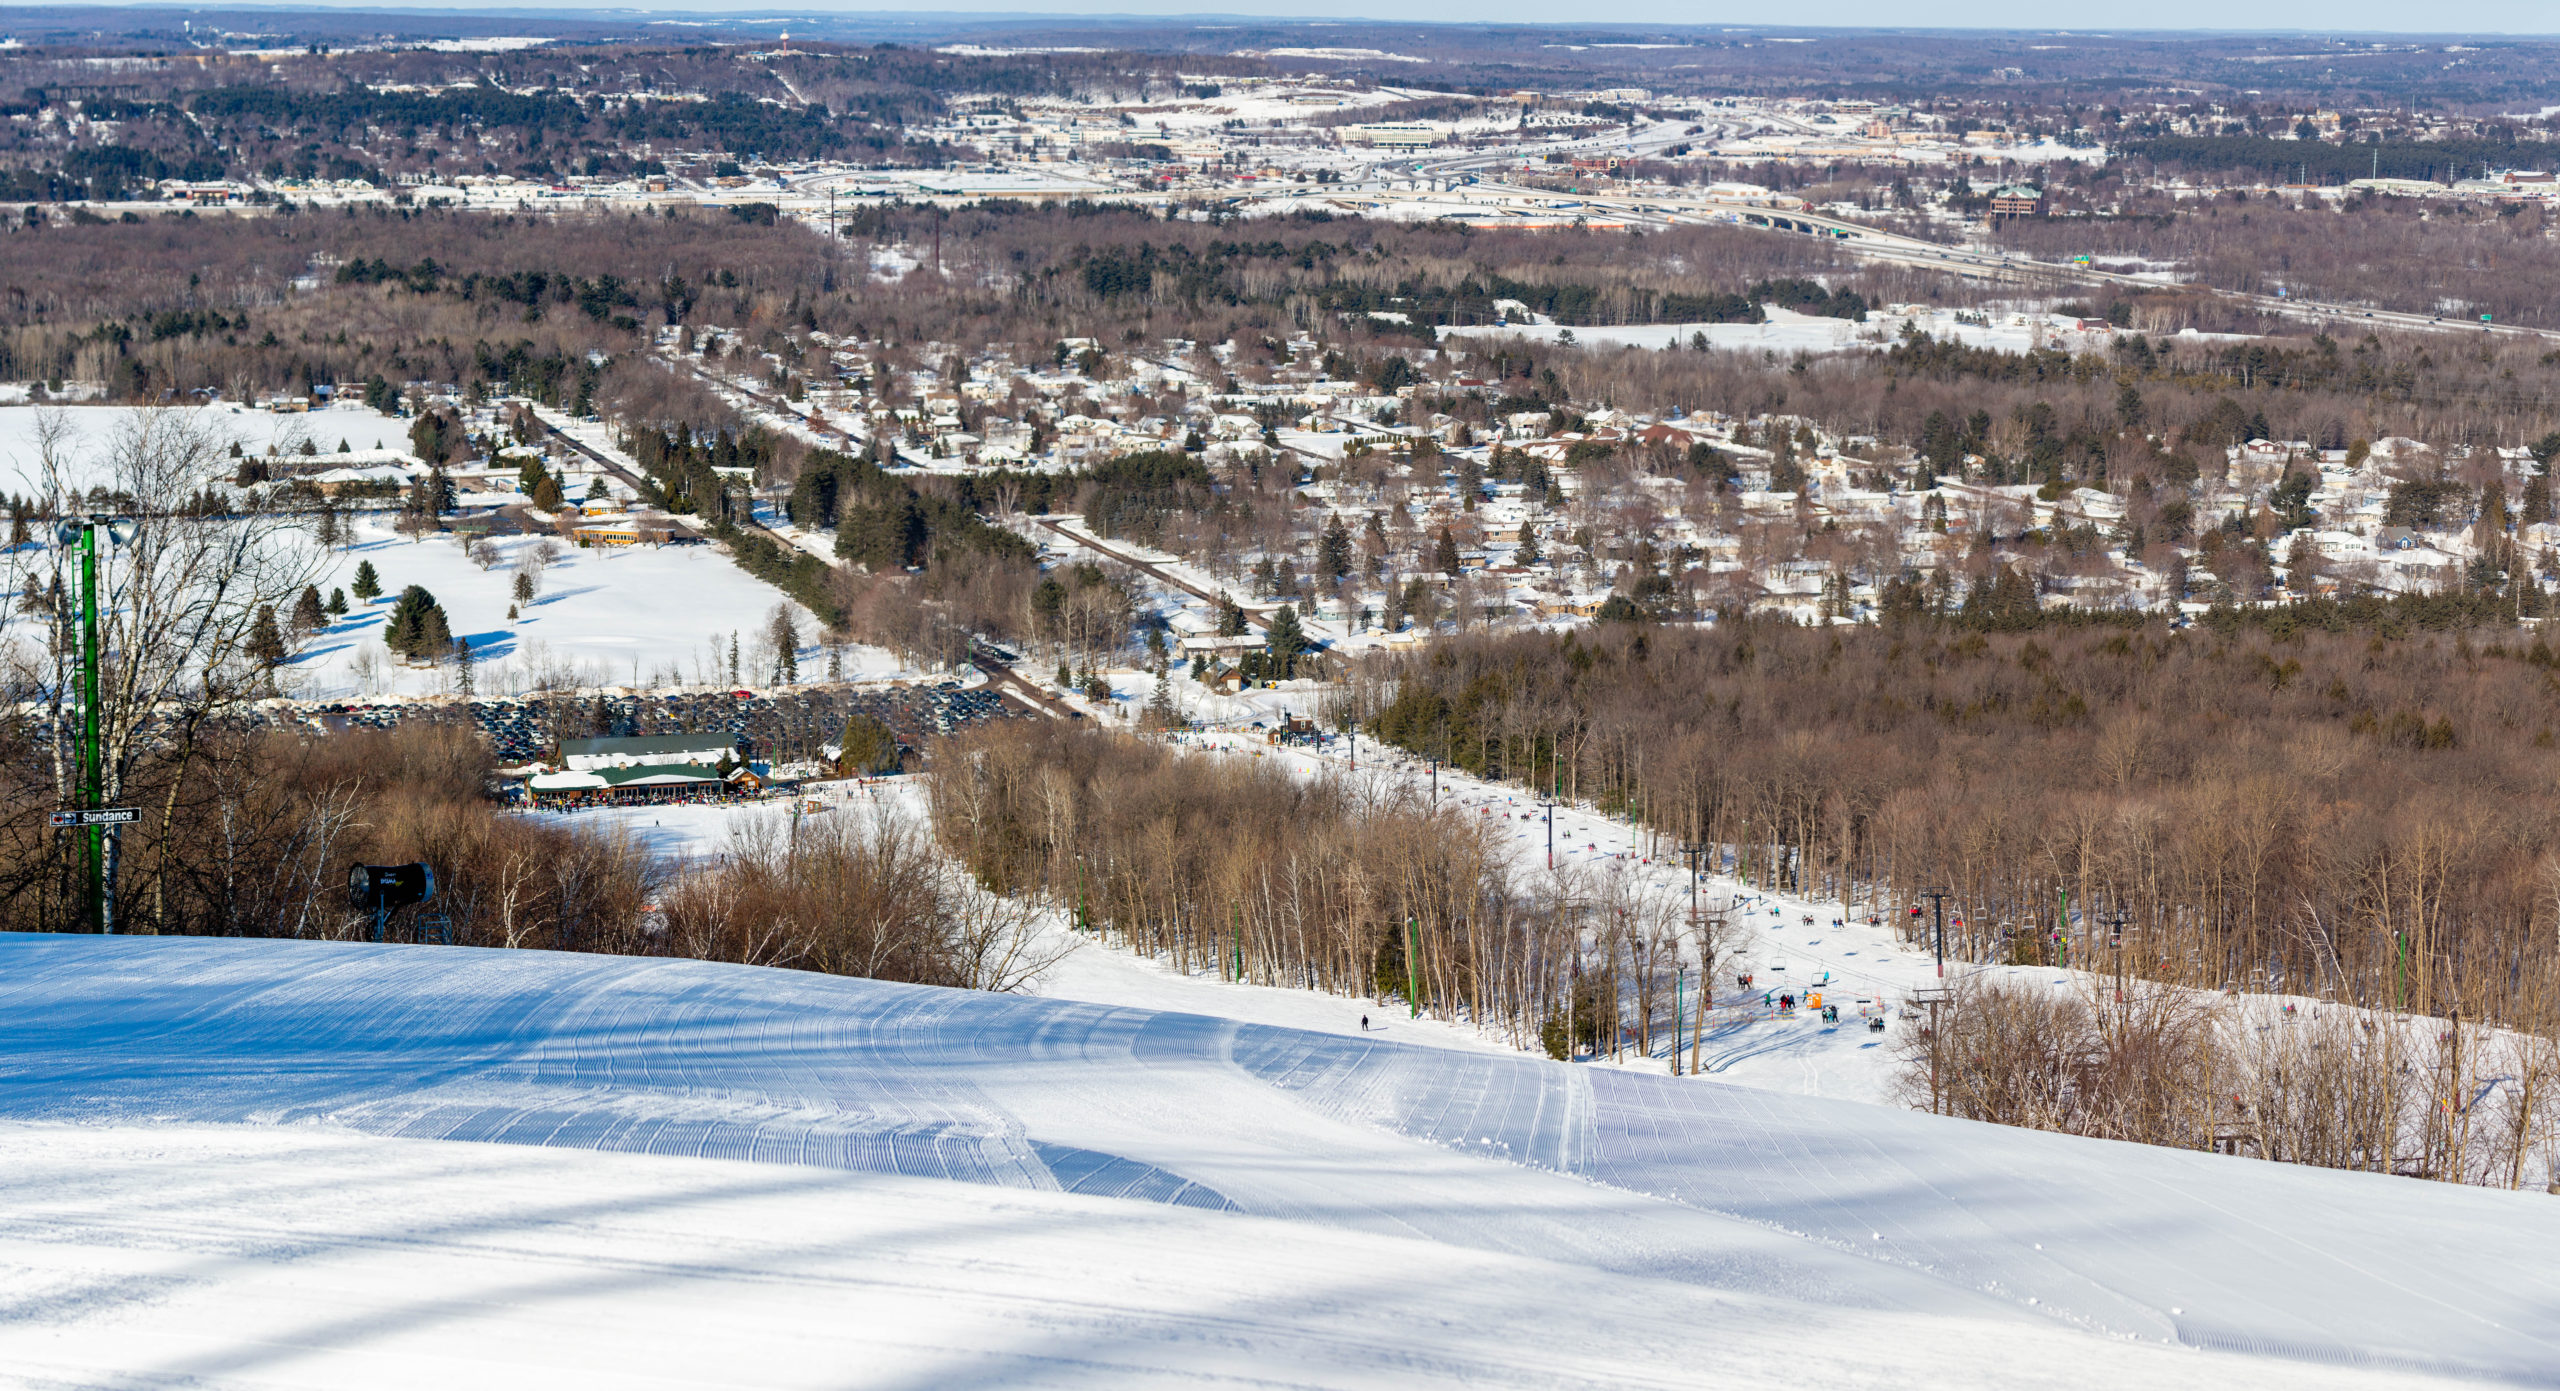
<point x="651" y="768"/>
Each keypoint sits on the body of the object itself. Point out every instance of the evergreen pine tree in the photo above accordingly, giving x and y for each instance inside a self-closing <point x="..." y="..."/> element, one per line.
<point x="266" y="644"/>
<point x="546" y="495"/>
<point x="2537" y="498"/>
<point x="309" y="614"/>
<point x="1333" y="553"/>
<point x="417" y="629"/>
<point x="784" y="633"/>
<point x="1286" y="638"/>
<point x="462" y="667"/>
<point x="432" y="437"/>
<point x="1444" y="555"/>
<point x="368" y="586"/>
<point x="1230" y="617"/>
<point x="1528" y="553"/>
<point x="868" y="748"/>
<point x="524" y="586"/>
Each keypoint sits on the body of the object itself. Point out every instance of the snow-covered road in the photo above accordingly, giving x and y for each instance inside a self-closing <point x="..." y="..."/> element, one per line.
<point x="195" y="1129"/>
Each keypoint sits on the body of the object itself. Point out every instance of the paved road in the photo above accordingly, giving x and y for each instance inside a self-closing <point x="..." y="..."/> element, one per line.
<point x="1016" y="688"/>
<point x="1257" y="615"/>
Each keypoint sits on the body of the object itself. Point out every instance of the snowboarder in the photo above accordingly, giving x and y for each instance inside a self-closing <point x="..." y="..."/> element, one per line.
<point x="1364" y="1023"/>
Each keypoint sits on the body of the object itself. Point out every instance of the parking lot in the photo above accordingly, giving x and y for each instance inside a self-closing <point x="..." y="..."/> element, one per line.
<point x="780" y="726"/>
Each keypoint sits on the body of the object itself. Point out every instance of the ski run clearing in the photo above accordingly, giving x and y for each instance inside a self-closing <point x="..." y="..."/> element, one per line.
<point x="234" y="1163"/>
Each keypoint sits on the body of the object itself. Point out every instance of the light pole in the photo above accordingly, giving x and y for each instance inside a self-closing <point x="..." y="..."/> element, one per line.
<point x="83" y="532"/>
<point x="1548" y="805"/>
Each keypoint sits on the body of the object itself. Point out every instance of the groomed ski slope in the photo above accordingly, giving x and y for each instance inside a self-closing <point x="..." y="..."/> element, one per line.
<point x="222" y="1169"/>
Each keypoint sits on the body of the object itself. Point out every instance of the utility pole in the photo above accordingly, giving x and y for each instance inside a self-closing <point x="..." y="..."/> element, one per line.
<point x="1549" y="806"/>
<point x="1938" y="899"/>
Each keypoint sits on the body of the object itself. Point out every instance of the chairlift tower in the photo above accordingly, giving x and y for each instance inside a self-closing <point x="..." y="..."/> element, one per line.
<point x="95" y="817"/>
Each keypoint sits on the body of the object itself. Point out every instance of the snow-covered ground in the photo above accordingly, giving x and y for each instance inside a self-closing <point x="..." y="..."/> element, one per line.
<point x="92" y="432"/>
<point x="230" y="1163"/>
<point x="602" y="617"/>
<point x="1788" y="332"/>
<point x="636" y="614"/>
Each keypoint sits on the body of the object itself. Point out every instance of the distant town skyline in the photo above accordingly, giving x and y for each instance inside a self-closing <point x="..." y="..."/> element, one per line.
<point x="2346" y="17"/>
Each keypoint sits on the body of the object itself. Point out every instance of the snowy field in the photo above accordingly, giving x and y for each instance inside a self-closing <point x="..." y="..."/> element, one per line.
<point x="93" y="431"/>
<point x="605" y="616"/>
<point x="1788" y="332"/>
<point x="230" y="1163"/>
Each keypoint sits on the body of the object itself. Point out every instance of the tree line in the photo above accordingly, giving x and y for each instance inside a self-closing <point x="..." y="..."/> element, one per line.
<point x="2335" y="814"/>
<point x="1357" y="888"/>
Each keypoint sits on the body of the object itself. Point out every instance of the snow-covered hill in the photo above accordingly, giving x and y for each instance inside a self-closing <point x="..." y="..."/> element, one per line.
<point x="222" y="1170"/>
